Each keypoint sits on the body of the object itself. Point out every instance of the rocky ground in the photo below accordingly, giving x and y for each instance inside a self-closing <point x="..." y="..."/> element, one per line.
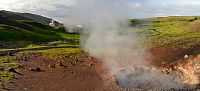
<point x="39" y="72"/>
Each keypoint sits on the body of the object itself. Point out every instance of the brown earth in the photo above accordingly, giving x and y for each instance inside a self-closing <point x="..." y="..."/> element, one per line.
<point x="161" y="56"/>
<point x="85" y="75"/>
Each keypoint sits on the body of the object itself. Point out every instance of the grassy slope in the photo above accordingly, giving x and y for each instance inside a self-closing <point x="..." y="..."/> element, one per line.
<point x="26" y="27"/>
<point x="15" y="29"/>
<point x="36" y="34"/>
<point x="171" y="38"/>
<point x="175" y="32"/>
<point x="26" y="32"/>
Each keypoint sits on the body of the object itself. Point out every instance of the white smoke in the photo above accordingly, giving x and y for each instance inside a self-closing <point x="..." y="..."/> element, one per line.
<point x="107" y="37"/>
<point x="148" y="78"/>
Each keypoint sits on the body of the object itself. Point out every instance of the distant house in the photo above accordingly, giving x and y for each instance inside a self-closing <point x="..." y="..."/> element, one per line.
<point x="52" y="23"/>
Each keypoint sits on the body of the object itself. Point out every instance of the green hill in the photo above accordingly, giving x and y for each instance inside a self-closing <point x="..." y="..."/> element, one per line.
<point x="176" y="31"/>
<point x="173" y="31"/>
<point x="26" y="16"/>
<point x="170" y="38"/>
<point x="30" y="28"/>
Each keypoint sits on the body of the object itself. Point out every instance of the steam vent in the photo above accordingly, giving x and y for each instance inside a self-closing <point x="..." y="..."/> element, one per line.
<point x="100" y="45"/>
<point x="178" y="77"/>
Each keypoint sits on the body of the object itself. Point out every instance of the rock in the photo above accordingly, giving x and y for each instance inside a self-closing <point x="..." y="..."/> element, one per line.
<point x="32" y="69"/>
<point x="25" y="89"/>
<point x="1" y="69"/>
<point x="38" y="69"/>
<point x="73" y="63"/>
<point x="10" y="54"/>
<point x="2" y="45"/>
<point x="51" y="66"/>
<point x="163" y="62"/>
<point x="12" y="70"/>
<point x="67" y="70"/>
<point x="25" y="59"/>
<point x="90" y="65"/>
<point x="186" y="56"/>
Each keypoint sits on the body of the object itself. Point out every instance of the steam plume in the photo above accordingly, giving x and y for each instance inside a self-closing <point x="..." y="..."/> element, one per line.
<point x="107" y="32"/>
<point x="107" y="37"/>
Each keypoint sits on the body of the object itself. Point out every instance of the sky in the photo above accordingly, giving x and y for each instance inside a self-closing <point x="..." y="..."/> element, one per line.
<point x="135" y="8"/>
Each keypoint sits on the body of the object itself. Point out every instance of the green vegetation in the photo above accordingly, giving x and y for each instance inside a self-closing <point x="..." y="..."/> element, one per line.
<point x="9" y="33"/>
<point x="6" y="62"/>
<point x="5" y="75"/>
<point x="31" y="46"/>
<point x="57" y="53"/>
<point x="31" y="29"/>
<point x="66" y="44"/>
<point x="173" y="32"/>
<point x="69" y="36"/>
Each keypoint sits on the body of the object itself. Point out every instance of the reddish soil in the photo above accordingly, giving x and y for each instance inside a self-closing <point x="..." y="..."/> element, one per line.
<point x="83" y="76"/>
<point x="161" y="56"/>
<point x="86" y="75"/>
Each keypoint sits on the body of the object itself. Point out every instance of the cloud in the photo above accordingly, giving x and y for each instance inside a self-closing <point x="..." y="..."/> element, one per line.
<point x="33" y="4"/>
<point x="50" y="8"/>
<point x="154" y="8"/>
<point x="183" y="2"/>
<point x="136" y="8"/>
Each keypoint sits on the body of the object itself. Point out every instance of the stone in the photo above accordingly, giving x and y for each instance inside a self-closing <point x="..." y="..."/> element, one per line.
<point x="10" y="54"/>
<point x="31" y="69"/>
<point x="1" y="69"/>
<point x="38" y="69"/>
<point x="2" y="45"/>
<point x="186" y="56"/>
<point x="12" y="70"/>
<point x="51" y="66"/>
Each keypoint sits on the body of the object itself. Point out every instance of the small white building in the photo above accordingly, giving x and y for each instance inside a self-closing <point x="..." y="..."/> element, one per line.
<point x="52" y="24"/>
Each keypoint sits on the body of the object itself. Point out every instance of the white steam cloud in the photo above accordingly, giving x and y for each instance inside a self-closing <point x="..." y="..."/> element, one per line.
<point x="106" y="36"/>
<point x="107" y="32"/>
